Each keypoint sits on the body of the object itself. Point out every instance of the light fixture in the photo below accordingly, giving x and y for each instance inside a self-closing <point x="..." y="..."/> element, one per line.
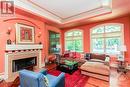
<point x="39" y="35"/>
<point x="9" y="31"/>
<point x="122" y="50"/>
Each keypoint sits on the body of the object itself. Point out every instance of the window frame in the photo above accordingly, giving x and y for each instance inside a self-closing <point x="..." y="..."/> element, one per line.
<point x="82" y="36"/>
<point x="56" y="40"/>
<point x="104" y="37"/>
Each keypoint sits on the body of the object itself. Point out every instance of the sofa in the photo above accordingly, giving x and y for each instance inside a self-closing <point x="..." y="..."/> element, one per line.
<point x="97" y="66"/>
<point x="74" y="56"/>
<point x="41" y="79"/>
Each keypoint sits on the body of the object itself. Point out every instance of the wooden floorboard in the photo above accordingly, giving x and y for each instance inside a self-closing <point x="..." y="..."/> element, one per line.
<point x="116" y="79"/>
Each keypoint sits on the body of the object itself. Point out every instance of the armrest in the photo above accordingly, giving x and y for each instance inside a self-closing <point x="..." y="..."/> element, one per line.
<point x="44" y="71"/>
<point x="60" y="81"/>
<point x="30" y="78"/>
<point x="62" y="75"/>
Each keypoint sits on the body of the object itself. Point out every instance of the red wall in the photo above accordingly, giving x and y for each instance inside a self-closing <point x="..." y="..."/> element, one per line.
<point x="40" y="26"/>
<point x="86" y="28"/>
<point x="29" y="19"/>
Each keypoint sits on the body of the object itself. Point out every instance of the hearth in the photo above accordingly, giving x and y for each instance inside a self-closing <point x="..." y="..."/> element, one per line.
<point x="25" y="63"/>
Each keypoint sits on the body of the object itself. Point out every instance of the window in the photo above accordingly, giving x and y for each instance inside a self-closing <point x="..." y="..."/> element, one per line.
<point x="106" y="38"/>
<point x="54" y="40"/>
<point x="74" y="40"/>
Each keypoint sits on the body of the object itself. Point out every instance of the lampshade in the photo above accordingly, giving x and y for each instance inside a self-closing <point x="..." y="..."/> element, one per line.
<point x="123" y="48"/>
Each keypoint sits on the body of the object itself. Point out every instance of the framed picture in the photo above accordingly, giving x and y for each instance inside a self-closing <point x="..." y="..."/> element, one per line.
<point x="24" y="33"/>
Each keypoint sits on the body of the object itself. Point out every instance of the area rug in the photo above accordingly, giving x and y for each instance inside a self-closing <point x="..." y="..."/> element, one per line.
<point x="74" y="80"/>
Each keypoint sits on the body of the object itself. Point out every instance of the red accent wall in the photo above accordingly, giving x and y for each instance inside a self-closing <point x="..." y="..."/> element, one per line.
<point x="86" y="28"/>
<point x="25" y="18"/>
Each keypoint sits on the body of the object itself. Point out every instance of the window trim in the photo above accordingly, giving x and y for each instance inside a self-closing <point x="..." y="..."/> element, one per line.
<point x="106" y="24"/>
<point x="54" y="32"/>
<point x="72" y="31"/>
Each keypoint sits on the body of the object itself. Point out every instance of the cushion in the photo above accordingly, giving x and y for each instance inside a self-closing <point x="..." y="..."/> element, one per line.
<point x="95" y="67"/>
<point x="107" y="60"/>
<point x="46" y="81"/>
<point x="98" y="56"/>
<point x="87" y="56"/>
<point x="78" y="55"/>
<point x="66" y="55"/>
<point x="96" y="60"/>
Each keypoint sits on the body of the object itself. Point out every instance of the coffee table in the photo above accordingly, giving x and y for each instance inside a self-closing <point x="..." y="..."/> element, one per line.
<point x="67" y="66"/>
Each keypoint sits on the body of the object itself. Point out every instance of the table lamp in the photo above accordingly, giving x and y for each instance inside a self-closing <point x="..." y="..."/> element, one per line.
<point x="122" y="50"/>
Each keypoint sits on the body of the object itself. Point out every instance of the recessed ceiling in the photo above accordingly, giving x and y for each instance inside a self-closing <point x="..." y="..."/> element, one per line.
<point x="66" y="11"/>
<point x="67" y="8"/>
<point x="65" y="18"/>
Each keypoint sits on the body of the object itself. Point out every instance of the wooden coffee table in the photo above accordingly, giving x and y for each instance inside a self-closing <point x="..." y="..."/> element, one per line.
<point x="67" y="66"/>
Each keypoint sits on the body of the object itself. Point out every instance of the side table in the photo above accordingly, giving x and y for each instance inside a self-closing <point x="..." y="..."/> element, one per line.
<point x="122" y="66"/>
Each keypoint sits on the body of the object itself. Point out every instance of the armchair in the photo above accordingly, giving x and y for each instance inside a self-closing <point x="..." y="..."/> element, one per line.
<point x="33" y="79"/>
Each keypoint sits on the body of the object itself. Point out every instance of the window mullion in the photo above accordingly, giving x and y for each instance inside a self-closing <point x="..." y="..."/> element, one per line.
<point x="73" y="40"/>
<point x="110" y="38"/>
<point x="104" y="40"/>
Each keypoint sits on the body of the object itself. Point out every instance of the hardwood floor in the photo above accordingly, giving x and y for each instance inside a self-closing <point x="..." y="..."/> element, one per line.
<point x="50" y="66"/>
<point x="119" y="79"/>
<point x="116" y="79"/>
<point x="93" y="82"/>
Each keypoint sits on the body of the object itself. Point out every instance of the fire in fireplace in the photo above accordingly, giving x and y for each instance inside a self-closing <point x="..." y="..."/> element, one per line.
<point x="26" y="63"/>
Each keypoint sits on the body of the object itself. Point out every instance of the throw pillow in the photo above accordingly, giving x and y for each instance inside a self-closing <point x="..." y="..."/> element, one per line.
<point x="87" y="56"/>
<point x="46" y="81"/>
<point x="107" y="60"/>
<point x="98" y="56"/>
<point x="97" y="60"/>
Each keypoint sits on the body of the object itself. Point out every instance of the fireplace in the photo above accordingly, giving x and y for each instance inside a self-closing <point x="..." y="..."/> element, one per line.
<point x="16" y="61"/>
<point x="25" y="63"/>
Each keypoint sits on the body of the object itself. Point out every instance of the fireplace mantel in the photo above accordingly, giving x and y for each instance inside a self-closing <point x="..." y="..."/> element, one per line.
<point x="23" y="47"/>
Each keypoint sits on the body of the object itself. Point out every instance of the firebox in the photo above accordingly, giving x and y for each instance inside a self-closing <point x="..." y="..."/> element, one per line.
<point x="25" y="63"/>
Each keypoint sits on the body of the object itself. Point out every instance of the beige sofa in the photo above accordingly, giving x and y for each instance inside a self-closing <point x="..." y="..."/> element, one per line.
<point x="97" y="67"/>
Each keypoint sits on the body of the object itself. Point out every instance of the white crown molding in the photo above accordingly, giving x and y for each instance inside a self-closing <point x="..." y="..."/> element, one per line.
<point x="106" y="7"/>
<point x="93" y="13"/>
<point x="24" y="4"/>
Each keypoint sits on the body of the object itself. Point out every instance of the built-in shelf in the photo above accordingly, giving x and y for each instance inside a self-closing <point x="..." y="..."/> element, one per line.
<point x="23" y="47"/>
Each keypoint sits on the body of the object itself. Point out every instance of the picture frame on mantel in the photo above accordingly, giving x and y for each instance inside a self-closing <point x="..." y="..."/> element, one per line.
<point x="24" y="34"/>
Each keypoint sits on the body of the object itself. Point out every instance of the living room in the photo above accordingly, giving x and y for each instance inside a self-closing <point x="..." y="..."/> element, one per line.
<point x="78" y="45"/>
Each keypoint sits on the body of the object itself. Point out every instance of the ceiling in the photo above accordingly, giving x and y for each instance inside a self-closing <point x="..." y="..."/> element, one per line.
<point x="69" y="13"/>
<point x="67" y="8"/>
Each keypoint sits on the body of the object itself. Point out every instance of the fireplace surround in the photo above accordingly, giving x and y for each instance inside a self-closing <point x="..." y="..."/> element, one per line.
<point x="31" y="55"/>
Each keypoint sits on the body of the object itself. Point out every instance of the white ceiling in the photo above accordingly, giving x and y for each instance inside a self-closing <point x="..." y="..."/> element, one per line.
<point x="65" y="11"/>
<point x="67" y="8"/>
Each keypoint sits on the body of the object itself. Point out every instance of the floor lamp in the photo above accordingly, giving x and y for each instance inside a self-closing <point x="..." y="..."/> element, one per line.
<point x="122" y="50"/>
<point x="122" y="63"/>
